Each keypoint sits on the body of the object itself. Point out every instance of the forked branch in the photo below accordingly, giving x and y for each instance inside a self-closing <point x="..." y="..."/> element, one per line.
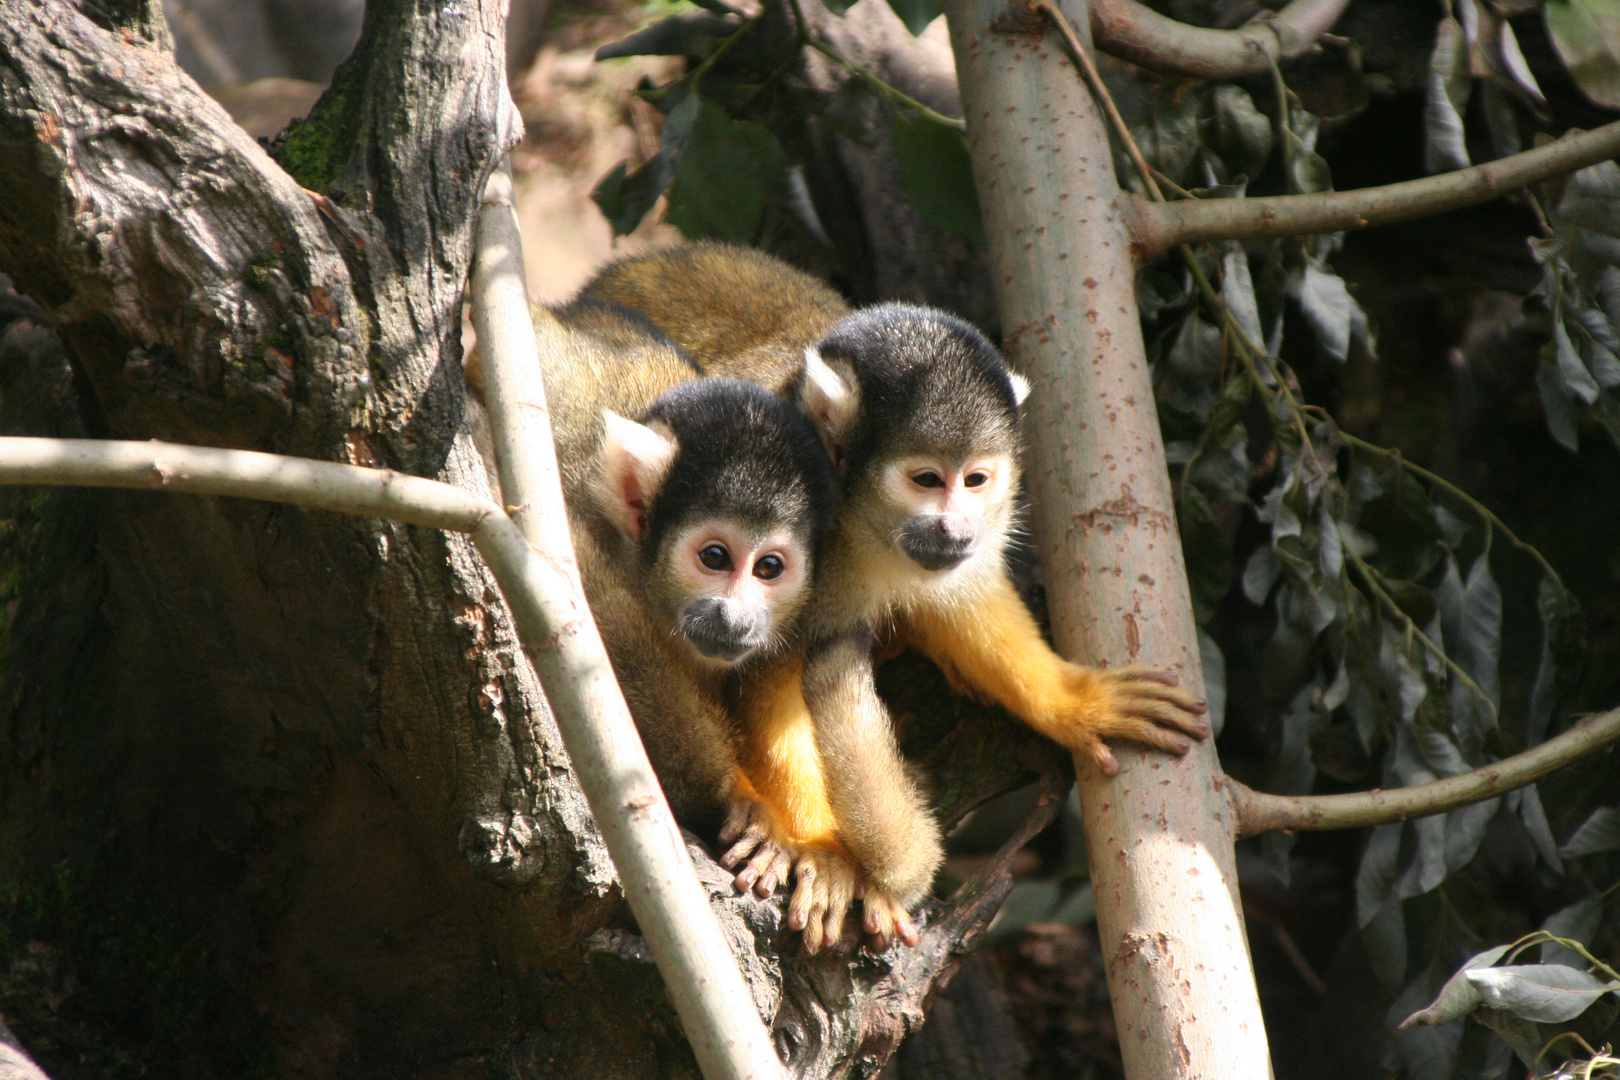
<point x="1259" y="812"/>
<point x="1157" y="227"/>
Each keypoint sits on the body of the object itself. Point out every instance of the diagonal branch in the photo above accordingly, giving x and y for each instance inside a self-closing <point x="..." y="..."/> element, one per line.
<point x="1157" y="227"/>
<point x="1259" y="812"/>
<point x="1135" y="32"/>
<point x="670" y="906"/>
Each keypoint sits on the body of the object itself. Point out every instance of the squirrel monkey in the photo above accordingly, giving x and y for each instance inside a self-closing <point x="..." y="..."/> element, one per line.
<point x="920" y="413"/>
<point x="696" y="527"/>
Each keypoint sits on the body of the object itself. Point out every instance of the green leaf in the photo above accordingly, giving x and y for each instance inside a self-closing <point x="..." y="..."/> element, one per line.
<point x="724" y="170"/>
<point x="1578" y="922"/>
<point x="838" y="7"/>
<point x="1168" y="137"/>
<point x="937" y="173"/>
<point x="1237" y="292"/>
<point x="1544" y="993"/>
<point x="1326" y="303"/>
<point x="1577" y="380"/>
<point x="1586" y="34"/>
<point x="1458" y="997"/>
<point x="1597" y="834"/>
<point x="694" y="35"/>
<point x="1555" y="403"/>
<point x="1445" y="146"/>
<point x="626" y="199"/>
<point x="917" y="14"/>
<point x="1238" y="132"/>
<point x="1479" y="643"/>
<point x="1562" y="652"/>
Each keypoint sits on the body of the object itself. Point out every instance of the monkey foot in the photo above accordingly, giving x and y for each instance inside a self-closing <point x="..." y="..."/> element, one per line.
<point x="825" y="880"/>
<point x="884" y="920"/>
<point x="757" y="847"/>
<point x="1142" y="704"/>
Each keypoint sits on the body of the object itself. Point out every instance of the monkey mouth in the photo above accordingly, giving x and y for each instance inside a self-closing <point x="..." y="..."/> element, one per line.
<point x="719" y="635"/>
<point x="938" y="556"/>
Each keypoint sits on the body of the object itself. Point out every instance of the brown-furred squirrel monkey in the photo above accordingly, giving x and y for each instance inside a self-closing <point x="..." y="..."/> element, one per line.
<point x="921" y="414"/>
<point x="696" y="527"/>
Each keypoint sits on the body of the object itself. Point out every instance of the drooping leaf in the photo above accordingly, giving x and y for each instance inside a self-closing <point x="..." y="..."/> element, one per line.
<point x="1555" y="402"/>
<point x="1479" y="637"/>
<point x="626" y="198"/>
<point x="1238" y="132"/>
<point x="724" y="170"/>
<point x="1561" y="656"/>
<point x="1327" y="305"/>
<point x="1577" y="380"/>
<point x="1237" y="291"/>
<point x="917" y="14"/>
<point x="1586" y="34"/>
<point x="1578" y="922"/>
<point x="1445" y="143"/>
<point x="1422" y="1052"/>
<point x="1598" y="833"/>
<point x="1380" y="865"/>
<point x="1168" y="138"/>
<point x="1533" y="816"/>
<point x="1459" y="996"/>
<point x="1545" y="993"/>
<point x="1384" y="936"/>
<point x="694" y="35"/>
<point x="1261" y="574"/>
<point x="937" y="173"/>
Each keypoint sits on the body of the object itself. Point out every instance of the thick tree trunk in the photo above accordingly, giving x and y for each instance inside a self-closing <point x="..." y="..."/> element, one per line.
<point x="1161" y="833"/>
<point x="277" y="786"/>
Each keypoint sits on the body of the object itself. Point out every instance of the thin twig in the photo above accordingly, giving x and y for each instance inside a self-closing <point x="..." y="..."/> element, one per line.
<point x="892" y="93"/>
<point x="1473" y="504"/>
<point x="1375" y="584"/>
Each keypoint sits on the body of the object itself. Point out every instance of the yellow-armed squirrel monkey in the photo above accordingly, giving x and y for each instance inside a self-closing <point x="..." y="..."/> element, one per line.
<point x="696" y="527"/>
<point x="921" y="414"/>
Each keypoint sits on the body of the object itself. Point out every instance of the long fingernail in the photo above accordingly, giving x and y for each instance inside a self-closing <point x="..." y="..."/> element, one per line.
<point x="765" y="885"/>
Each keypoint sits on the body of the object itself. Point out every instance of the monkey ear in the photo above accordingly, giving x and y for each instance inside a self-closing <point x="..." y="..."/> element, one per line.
<point x="831" y="398"/>
<point x="1020" y="387"/>
<point x="635" y="460"/>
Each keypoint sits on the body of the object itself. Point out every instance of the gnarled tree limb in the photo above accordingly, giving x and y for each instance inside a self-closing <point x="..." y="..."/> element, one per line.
<point x="1135" y="32"/>
<point x="1157" y="227"/>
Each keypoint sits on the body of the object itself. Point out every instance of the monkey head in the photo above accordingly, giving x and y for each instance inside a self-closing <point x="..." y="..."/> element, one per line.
<point x="921" y="414"/>
<point x="725" y="493"/>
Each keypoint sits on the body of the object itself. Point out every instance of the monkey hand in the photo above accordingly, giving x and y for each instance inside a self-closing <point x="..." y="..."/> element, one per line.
<point x="1142" y="704"/>
<point x="825" y="881"/>
<point x="884" y="919"/>
<point x="757" y="845"/>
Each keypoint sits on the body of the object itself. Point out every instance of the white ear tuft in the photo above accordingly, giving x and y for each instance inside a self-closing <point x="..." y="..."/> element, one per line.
<point x="1020" y="387"/>
<point x="635" y="459"/>
<point x="830" y="397"/>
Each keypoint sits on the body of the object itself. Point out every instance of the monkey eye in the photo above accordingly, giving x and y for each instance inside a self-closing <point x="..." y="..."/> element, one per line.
<point x="977" y="479"/>
<point x="927" y="480"/>
<point x="715" y="557"/>
<point x="769" y="568"/>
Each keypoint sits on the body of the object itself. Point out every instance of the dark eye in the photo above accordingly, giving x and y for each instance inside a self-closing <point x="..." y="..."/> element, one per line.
<point x="928" y="480"/>
<point x="769" y="568"/>
<point x="977" y="479"/>
<point x="715" y="557"/>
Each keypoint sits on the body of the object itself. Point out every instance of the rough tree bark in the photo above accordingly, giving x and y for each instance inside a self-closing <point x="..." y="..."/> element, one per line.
<point x="279" y="783"/>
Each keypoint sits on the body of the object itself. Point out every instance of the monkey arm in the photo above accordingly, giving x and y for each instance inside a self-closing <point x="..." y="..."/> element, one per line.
<point x="882" y="815"/>
<point x="993" y="649"/>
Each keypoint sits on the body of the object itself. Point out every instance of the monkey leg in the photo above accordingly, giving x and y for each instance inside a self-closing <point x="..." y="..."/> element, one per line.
<point x="781" y="816"/>
<point x="882" y="815"/>
<point x="994" y="649"/>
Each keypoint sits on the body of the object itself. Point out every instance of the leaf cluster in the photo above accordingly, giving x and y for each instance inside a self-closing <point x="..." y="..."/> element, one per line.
<point x="732" y="153"/>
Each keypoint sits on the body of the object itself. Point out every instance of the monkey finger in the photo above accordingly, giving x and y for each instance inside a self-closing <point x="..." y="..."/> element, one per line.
<point x="758" y="870"/>
<point x="742" y="813"/>
<point x="1160" y="713"/>
<point x="750" y="842"/>
<point x="877" y="943"/>
<point x="1163" y="676"/>
<point x="1098" y="751"/>
<point x="906" y="930"/>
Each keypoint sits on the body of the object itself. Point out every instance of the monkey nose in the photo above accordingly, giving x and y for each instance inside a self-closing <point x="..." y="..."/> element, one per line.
<point x="724" y="629"/>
